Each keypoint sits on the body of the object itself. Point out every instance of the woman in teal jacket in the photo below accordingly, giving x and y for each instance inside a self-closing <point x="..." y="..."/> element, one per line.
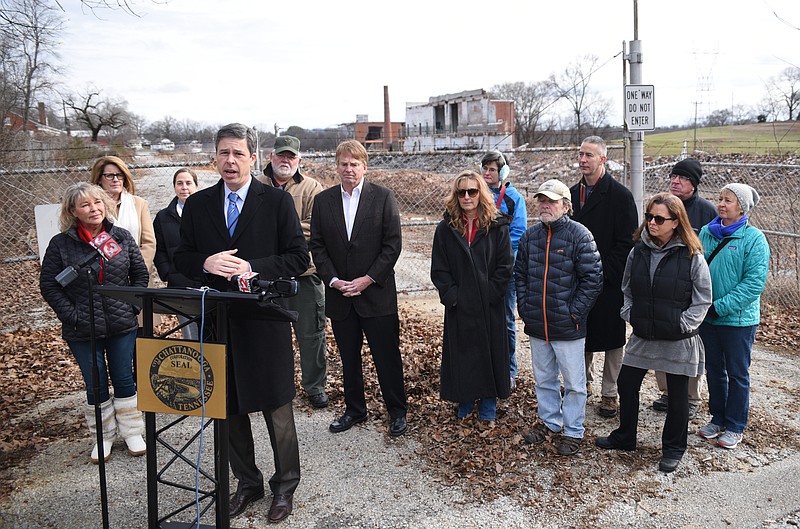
<point x="738" y="258"/>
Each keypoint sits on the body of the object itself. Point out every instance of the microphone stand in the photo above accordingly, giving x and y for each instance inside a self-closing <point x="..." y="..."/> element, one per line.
<point x="98" y="414"/>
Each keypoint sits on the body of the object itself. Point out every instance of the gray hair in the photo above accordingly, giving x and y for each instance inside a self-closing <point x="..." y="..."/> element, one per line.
<point x="600" y="142"/>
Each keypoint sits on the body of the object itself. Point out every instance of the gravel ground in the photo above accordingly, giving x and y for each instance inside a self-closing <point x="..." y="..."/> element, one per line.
<point x="365" y="479"/>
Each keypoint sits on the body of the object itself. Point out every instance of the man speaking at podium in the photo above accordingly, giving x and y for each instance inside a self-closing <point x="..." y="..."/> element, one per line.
<point x="241" y="225"/>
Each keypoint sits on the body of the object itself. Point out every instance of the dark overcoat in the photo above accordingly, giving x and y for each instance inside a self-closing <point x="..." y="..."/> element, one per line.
<point x="472" y="282"/>
<point x="610" y="214"/>
<point x="268" y="236"/>
<point x="167" y="226"/>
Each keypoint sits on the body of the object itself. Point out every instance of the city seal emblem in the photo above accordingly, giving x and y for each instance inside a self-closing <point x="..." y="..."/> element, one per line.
<point x="177" y="378"/>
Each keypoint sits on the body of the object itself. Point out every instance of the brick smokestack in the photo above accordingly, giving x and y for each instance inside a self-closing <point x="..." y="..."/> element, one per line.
<point x="387" y="120"/>
<point x="42" y="114"/>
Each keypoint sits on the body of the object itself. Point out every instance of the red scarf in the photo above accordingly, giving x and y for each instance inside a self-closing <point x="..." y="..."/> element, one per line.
<point x="470" y="229"/>
<point x="86" y="237"/>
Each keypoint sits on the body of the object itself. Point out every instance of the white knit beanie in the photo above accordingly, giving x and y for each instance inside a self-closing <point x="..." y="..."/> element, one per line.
<point x="747" y="196"/>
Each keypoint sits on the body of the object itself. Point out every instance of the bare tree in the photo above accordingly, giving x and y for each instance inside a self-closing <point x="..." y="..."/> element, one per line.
<point x="784" y="91"/>
<point x="572" y="85"/>
<point x="530" y="104"/>
<point x="719" y="118"/>
<point x="97" y="113"/>
<point x="30" y="34"/>
<point x="164" y="128"/>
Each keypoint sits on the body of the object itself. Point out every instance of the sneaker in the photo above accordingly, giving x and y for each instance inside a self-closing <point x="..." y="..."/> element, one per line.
<point x="608" y="407"/>
<point x="710" y="431"/>
<point x="729" y="440"/>
<point x="513" y="383"/>
<point x="660" y="404"/>
<point x="693" y="407"/>
<point x="569" y="446"/>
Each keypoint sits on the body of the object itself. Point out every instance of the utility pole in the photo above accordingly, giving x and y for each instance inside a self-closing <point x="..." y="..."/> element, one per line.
<point x="636" y="137"/>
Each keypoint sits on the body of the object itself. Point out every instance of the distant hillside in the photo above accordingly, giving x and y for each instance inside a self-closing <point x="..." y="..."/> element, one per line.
<point x="758" y="138"/>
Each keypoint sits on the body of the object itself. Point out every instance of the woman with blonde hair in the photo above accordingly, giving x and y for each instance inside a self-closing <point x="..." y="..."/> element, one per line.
<point x="471" y="265"/>
<point x="131" y="211"/>
<point x="85" y="214"/>
<point x="667" y="291"/>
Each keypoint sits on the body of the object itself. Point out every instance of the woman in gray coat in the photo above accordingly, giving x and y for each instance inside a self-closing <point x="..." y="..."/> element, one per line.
<point x="667" y="290"/>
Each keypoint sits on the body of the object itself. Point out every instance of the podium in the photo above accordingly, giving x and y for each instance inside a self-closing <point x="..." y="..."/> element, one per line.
<point x="218" y="308"/>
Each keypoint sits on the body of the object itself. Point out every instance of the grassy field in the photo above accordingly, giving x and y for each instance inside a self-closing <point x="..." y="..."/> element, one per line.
<point x="758" y="138"/>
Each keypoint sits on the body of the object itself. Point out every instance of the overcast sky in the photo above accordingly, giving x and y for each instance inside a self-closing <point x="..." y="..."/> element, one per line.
<point x="318" y="63"/>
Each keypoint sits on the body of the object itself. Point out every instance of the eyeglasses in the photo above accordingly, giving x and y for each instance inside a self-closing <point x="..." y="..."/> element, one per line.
<point x="658" y="218"/>
<point x="114" y="176"/>
<point x="679" y="177"/>
<point x="461" y="193"/>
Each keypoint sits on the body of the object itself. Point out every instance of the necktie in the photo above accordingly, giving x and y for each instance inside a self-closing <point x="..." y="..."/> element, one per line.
<point x="233" y="213"/>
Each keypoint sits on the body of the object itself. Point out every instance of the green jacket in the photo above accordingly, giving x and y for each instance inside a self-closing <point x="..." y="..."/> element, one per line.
<point x="738" y="275"/>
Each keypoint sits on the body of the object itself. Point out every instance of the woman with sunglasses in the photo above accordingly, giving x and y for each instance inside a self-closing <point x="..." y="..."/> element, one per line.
<point x="738" y="258"/>
<point x="667" y="291"/>
<point x="471" y="265"/>
<point x="131" y="211"/>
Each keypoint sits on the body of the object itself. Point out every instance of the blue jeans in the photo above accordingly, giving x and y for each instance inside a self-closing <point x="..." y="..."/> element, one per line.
<point x="487" y="408"/>
<point x="511" y="325"/>
<point x="118" y="351"/>
<point x="727" y="372"/>
<point x="564" y="357"/>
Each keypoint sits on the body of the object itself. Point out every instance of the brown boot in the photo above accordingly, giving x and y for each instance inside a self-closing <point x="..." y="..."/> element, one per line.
<point x="608" y="407"/>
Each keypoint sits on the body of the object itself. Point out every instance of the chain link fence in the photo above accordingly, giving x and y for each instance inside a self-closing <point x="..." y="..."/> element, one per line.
<point x="420" y="181"/>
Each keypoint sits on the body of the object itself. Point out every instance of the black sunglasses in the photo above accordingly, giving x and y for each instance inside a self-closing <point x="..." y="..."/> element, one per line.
<point x="463" y="192"/>
<point x="658" y="218"/>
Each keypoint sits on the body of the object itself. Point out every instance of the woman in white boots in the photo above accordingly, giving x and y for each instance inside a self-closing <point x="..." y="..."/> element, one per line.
<point x="85" y="214"/>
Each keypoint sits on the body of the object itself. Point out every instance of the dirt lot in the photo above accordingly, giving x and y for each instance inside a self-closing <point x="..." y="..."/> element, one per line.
<point x="469" y="472"/>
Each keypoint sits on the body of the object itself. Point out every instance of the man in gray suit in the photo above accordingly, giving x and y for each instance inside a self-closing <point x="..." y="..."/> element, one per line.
<point x="355" y="242"/>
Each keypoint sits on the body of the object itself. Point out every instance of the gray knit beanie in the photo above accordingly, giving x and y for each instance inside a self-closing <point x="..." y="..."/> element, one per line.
<point x="747" y="196"/>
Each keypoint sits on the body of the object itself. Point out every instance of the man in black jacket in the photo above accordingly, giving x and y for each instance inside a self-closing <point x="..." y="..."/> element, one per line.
<point x="241" y="225"/>
<point x="607" y="208"/>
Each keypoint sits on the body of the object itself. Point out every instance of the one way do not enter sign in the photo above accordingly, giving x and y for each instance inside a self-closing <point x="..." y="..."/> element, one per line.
<point x="639" y="112"/>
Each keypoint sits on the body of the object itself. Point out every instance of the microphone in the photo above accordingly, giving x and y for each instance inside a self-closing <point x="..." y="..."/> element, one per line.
<point x="105" y="245"/>
<point x="249" y="282"/>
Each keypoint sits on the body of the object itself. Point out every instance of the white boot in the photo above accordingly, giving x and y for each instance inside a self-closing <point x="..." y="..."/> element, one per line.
<point x="131" y="425"/>
<point x="109" y="428"/>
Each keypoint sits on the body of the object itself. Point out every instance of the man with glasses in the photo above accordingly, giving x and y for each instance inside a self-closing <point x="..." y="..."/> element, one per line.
<point x="607" y="208"/>
<point x="684" y="181"/>
<point x="509" y="201"/>
<point x="283" y="172"/>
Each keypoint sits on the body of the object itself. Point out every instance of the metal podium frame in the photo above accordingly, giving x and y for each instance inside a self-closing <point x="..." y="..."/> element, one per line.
<point x="187" y="303"/>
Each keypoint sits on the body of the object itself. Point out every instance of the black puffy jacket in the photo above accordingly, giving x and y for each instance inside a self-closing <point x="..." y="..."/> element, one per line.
<point x="559" y="275"/>
<point x="71" y="303"/>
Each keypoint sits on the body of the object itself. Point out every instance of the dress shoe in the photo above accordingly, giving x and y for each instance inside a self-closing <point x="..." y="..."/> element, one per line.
<point x="668" y="464"/>
<point x="345" y="422"/>
<point x="281" y="507"/>
<point x="242" y="498"/>
<point x="398" y="426"/>
<point x="608" y="444"/>
<point x="320" y="400"/>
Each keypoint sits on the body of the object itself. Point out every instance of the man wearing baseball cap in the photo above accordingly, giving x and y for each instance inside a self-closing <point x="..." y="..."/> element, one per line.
<point x="684" y="181"/>
<point x="558" y="275"/>
<point x="283" y="172"/>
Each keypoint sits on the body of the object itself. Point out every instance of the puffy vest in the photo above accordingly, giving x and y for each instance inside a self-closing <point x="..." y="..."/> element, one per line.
<point x="657" y="307"/>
